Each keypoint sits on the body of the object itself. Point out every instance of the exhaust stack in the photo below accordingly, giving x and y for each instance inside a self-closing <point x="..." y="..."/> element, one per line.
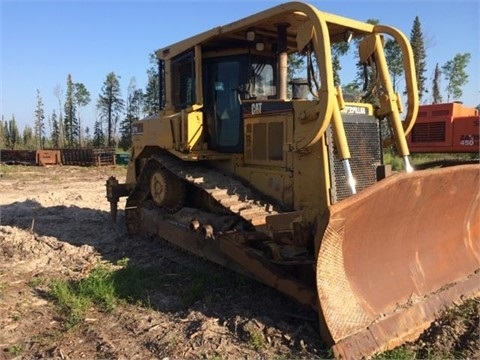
<point x="282" y="62"/>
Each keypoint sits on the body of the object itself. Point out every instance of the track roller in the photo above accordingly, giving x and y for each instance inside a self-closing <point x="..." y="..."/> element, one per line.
<point x="166" y="190"/>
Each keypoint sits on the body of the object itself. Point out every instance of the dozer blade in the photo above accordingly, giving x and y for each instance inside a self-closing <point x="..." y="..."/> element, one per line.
<point x="397" y="254"/>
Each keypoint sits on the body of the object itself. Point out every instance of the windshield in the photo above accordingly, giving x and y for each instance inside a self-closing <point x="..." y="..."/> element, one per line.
<point x="261" y="81"/>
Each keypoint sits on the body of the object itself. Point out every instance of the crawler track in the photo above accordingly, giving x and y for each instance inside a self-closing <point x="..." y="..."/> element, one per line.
<point x="231" y="194"/>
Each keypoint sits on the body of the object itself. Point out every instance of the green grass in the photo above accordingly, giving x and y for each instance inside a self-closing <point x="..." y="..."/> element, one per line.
<point x="214" y="357"/>
<point x="36" y="281"/>
<point x="464" y="316"/>
<point x="9" y="171"/>
<point x="71" y="302"/>
<point x="390" y="158"/>
<point x="463" y="312"/>
<point x="105" y="288"/>
<point x="400" y="353"/>
<point x="256" y="339"/>
<point x="15" y="350"/>
<point x="209" y="285"/>
<point x="194" y="290"/>
<point x="108" y="287"/>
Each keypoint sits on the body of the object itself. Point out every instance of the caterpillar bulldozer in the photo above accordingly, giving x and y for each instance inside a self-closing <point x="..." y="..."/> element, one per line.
<point x="283" y="180"/>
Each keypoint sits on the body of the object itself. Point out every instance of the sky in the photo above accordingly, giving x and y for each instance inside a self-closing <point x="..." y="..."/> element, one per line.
<point x="41" y="42"/>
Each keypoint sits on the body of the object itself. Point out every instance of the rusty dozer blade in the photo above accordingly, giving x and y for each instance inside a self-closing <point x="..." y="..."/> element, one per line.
<point x="395" y="255"/>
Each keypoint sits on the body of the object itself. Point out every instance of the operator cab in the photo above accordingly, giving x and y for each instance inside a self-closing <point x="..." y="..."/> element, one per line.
<point x="227" y="82"/>
<point x="225" y="73"/>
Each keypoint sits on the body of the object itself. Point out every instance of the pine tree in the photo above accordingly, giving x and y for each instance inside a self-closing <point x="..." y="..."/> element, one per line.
<point x="393" y="55"/>
<point x="134" y="106"/>
<point x="55" y="131"/>
<point x="58" y="92"/>
<point x="419" y="55"/>
<point x="88" y="139"/>
<point x="12" y="135"/>
<point x="2" y="133"/>
<point x="436" y="93"/>
<point x="98" y="135"/>
<point x="29" y="138"/>
<point x="151" y="98"/>
<point x="70" y="120"/>
<point x="82" y="98"/>
<point x="454" y="73"/>
<point x="39" y="122"/>
<point x="110" y="105"/>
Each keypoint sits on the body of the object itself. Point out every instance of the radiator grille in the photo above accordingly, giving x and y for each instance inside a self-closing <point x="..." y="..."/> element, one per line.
<point x="428" y="132"/>
<point x="363" y="135"/>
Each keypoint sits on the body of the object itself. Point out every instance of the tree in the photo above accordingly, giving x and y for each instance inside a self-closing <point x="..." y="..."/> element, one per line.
<point x="30" y="140"/>
<point x="2" y="133"/>
<point x="338" y="50"/>
<point x="70" y="120"/>
<point x="454" y="73"/>
<point x="352" y="91"/>
<point x="98" y="135"/>
<point x="110" y="105"/>
<point x="436" y="93"/>
<point x="134" y="106"/>
<point x="151" y="98"/>
<point x="296" y="65"/>
<point x="419" y="55"/>
<point x="366" y="77"/>
<point x="393" y="55"/>
<point x="58" y="92"/>
<point x="82" y="98"/>
<point x="39" y="122"/>
<point x="12" y="135"/>
<point x="88" y="139"/>
<point x="55" y="131"/>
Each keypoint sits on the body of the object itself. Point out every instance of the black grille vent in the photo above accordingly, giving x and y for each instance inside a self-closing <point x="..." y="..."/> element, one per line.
<point x="363" y="137"/>
<point x="428" y="132"/>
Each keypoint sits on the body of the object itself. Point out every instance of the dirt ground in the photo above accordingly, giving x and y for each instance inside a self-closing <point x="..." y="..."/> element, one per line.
<point x="55" y="224"/>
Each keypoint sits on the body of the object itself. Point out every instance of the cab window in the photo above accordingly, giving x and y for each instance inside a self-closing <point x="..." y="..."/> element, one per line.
<point x="261" y="84"/>
<point x="183" y="81"/>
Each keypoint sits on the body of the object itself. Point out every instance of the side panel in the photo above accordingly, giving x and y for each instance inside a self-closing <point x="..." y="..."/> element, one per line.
<point x="152" y="131"/>
<point x="193" y="131"/>
<point x="277" y="184"/>
<point x="312" y="180"/>
<point x="268" y="161"/>
<point x="267" y="135"/>
<point x="466" y="134"/>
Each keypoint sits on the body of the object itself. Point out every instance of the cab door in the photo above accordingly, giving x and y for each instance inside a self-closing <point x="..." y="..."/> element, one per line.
<point x="222" y="103"/>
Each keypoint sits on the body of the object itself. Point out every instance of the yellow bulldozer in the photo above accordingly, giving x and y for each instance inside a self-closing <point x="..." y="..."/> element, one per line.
<point x="284" y="181"/>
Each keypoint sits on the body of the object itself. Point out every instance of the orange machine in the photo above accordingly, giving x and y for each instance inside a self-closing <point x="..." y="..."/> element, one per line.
<point x="445" y="128"/>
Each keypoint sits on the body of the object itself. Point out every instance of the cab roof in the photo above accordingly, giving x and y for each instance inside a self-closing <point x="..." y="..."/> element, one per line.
<point x="265" y="25"/>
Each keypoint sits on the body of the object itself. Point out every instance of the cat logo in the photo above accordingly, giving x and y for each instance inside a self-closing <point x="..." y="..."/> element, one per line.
<point x="256" y="108"/>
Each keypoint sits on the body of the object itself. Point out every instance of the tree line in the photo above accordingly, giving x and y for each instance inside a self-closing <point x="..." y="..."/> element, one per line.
<point x="65" y="123"/>
<point x="114" y="111"/>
